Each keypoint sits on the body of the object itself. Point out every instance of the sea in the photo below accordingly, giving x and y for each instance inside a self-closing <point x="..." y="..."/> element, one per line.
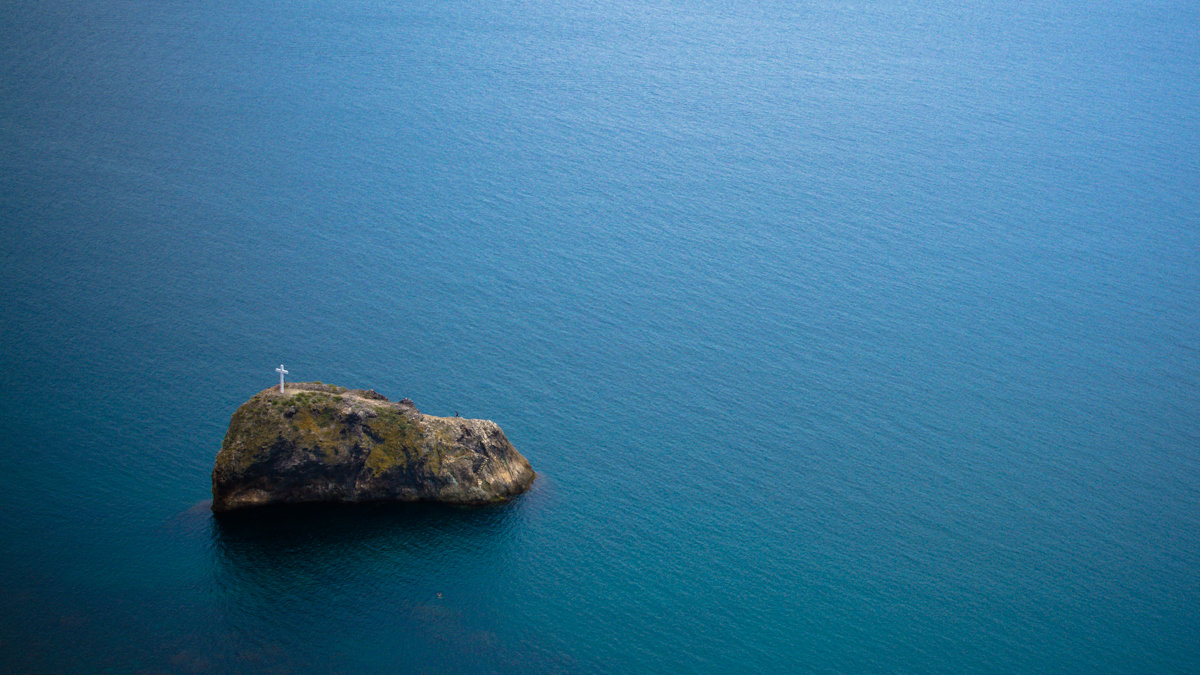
<point x="844" y="336"/>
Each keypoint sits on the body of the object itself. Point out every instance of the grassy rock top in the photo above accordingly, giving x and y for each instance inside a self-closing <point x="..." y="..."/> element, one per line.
<point x="317" y="442"/>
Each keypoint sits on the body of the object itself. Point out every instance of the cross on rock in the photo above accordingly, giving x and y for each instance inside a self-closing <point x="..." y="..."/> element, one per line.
<point x="281" y="372"/>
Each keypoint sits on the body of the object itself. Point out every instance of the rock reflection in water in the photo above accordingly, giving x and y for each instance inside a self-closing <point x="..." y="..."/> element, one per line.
<point x="357" y="587"/>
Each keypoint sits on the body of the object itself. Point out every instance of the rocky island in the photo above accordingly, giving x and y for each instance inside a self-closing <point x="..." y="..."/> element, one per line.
<point x="317" y="442"/>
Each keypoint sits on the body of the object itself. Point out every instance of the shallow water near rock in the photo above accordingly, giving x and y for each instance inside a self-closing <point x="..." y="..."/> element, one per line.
<point x="845" y="337"/>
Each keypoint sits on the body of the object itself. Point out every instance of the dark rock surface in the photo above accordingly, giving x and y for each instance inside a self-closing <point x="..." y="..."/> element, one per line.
<point x="323" y="443"/>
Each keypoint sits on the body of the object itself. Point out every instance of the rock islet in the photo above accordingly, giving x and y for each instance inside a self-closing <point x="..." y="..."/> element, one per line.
<point x="318" y="442"/>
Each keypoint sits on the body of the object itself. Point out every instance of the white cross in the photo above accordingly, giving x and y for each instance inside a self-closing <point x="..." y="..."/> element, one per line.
<point x="281" y="372"/>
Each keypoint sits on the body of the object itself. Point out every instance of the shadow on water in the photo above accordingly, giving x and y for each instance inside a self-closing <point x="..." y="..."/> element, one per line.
<point x="333" y="583"/>
<point x="275" y="528"/>
<point x="283" y="550"/>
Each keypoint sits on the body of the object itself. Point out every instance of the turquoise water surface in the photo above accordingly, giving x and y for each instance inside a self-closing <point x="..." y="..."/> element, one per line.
<point x="844" y="336"/>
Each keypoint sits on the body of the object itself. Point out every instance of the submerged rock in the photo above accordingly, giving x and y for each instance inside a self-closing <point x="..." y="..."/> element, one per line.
<point x="323" y="443"/>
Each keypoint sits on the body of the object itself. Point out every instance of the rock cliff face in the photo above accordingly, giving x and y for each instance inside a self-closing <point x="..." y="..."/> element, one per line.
<point x="323" y="443"/>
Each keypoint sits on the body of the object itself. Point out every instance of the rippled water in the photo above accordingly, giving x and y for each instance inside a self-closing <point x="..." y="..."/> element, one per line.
<point x="844" y="336"/>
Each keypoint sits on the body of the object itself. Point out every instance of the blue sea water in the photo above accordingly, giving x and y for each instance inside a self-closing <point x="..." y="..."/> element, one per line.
<point x="844" y="336"/>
